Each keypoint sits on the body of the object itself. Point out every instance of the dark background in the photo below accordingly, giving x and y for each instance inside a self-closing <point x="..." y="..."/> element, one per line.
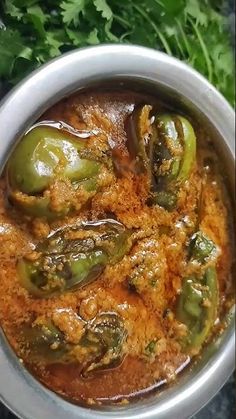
<point x="223" y="405"/>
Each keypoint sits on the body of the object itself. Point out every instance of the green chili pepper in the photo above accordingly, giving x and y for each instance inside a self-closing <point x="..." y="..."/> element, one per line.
<point x="201" y="247"/>
<point x="43" y="155"/>
<point x="197" y="308"/>
<point x="65" y="263"/>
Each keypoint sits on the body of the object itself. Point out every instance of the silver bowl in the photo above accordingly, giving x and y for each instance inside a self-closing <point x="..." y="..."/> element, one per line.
<point x="148" y="70"/>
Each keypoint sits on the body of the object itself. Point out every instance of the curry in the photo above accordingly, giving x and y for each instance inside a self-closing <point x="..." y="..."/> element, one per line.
<point x="116" y="250"/>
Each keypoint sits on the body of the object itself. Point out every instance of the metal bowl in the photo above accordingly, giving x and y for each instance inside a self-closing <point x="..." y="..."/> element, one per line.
<point x="148" y="70"/>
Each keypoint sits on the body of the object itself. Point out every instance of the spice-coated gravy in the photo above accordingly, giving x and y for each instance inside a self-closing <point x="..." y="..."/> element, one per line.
<point x="104" y="311"/>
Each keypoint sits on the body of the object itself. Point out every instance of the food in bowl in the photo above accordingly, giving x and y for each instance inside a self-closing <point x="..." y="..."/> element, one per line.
<point x="116" y="249"/>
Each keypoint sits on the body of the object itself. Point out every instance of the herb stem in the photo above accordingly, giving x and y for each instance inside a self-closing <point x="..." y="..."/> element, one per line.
<point x="160" y="35"/>
<point x="159" y="2"/>
<point x="122" y="21"/>
<point x="186" y="43"/>
<point x="179" y="46"/>
<point x="125" y="35"/>
<point x="204" y="50"/>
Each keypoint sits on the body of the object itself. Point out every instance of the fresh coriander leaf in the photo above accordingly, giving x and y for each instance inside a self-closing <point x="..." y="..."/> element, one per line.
<point x="104" y="8"/>
<point x="37" y="11"/>
<point x="108" y="33"/>
<point x="53" y="44"/>
<point x="24" y="3"/>
<point x="11" y="47"/>
<point x="195" y="31"/>
<point x="77" y="37"/>
<point x="21" y="68"/>
<point x="218" y="19"/>
<point x="193" y="9"/>
<point x="38" y="19"/>
<point x="205" y="52"/>
<point x="72" y="10"/>
<point x="173" y="7"/>
<point x="12" y="10"/>
<point x="92" y="38"/>
<point x="223" y="59"/>
<point x="155" y="28"/>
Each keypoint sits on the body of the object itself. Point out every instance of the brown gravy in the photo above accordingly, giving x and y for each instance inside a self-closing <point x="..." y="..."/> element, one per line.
<point x="159" y="258"/>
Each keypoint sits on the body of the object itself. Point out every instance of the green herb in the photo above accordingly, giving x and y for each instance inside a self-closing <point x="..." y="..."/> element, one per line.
<point x="153" y="282"/>
<point x="150" y="348"/>
<point x="34" y="31"/>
